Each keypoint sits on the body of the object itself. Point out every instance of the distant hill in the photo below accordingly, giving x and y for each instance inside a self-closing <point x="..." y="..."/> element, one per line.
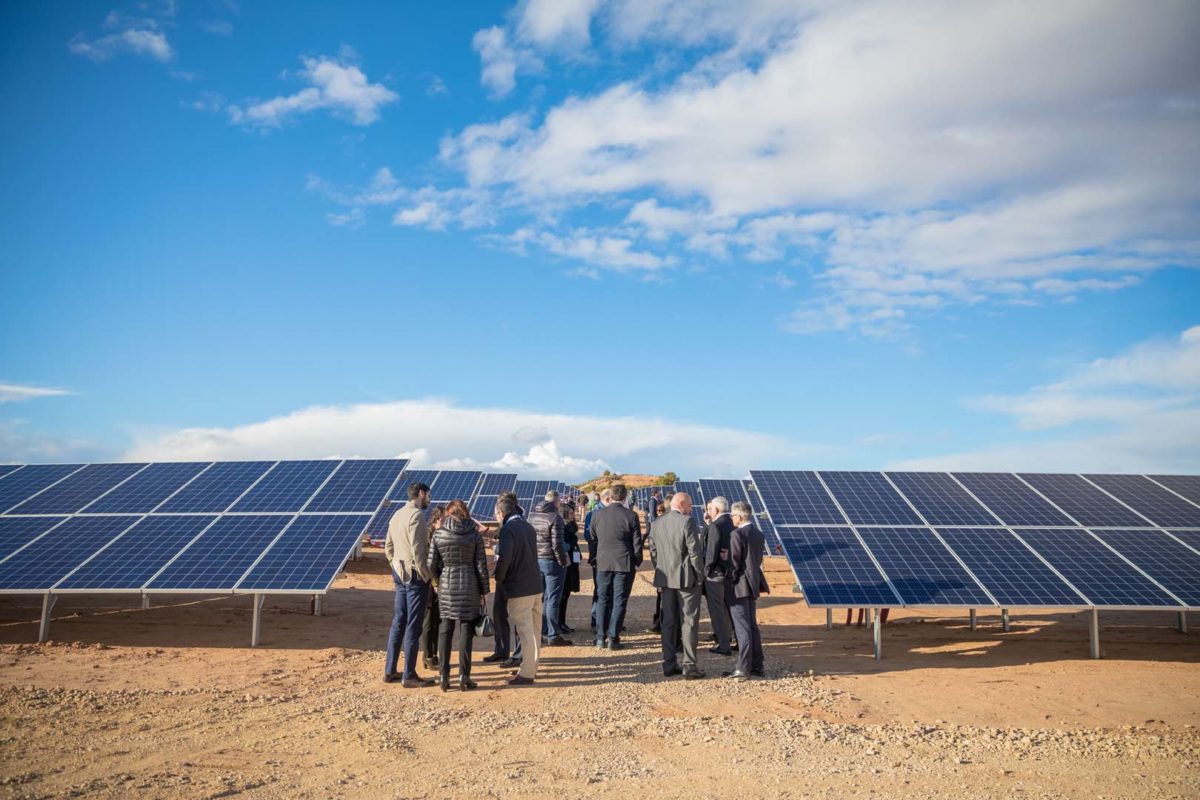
<point x="600" y="482"/>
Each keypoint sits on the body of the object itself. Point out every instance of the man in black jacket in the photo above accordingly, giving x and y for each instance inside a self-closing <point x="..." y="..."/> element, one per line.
<point x="618" y="537"/>
<point x="517" y="572"/>
<point x="504" y="651"/>
<point x="743" y="584"/>
<point x="552" y="561"/>
<point x="716" y="567"/>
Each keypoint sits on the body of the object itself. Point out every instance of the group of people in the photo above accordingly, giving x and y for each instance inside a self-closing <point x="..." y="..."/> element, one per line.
<point x="439" y="563"/>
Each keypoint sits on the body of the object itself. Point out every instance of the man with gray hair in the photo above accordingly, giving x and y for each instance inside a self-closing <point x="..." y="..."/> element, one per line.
<point x="716" y="567"/>
<point x="679" y="571"/>
<point x="743" y="584"/>
<point x="552" y="561"/>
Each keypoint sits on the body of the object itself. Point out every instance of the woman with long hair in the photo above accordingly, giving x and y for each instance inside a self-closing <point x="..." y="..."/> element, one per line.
<point x="429" y="627"/>
<point x="458" y="561"/>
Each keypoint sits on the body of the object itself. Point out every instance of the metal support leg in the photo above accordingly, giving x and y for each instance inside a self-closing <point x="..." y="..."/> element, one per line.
<point x="1095" y="632"/>
<point x="358" y="551"/>
<point x="829" y="619"/>
<point x="316" y="605"/>
<point x="145" y="602"/>
<point x="1004" y="619"/>
<point x="44" y="629"/>
<point x="256" y="625"/>
<point x="878" y="636"/>
<point x="973" y="619"/>
<point x="1183" y="622"/>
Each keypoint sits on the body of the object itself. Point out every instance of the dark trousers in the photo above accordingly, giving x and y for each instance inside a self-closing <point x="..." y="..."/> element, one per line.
<point x="562" y="609"/>
<point x="500" y="623"/>
<point x="612" y="592"/>
<point x="625" y="603"/>
<point x="680" y="627"/>
<point x="553" y="577"/>
<point x="718" y="612"/>
<point x="406" y="625"/>
<point x="745" y="623"/>
<point x="429" y="628"/>
<point x="466" y="636"/>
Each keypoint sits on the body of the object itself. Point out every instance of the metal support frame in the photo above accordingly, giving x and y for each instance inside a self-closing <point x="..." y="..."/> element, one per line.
<point x="1183" y="622"/>
<point x="256" y="626"/>
<point x="1094" y="627"/>
<point x="829" y="619"/>
<point x="878" y="629"/>
<point x="44" y="629"/>
<point x="358" y="551"/>
<point x="316" y="605"/>
<point x="973" y="620"/>
<point x="145" y="602"/>
<point x="1004" y="619"/>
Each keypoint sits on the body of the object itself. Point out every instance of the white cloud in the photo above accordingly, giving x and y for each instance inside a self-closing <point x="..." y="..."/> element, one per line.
<point x="556" y="23"/>
<point x="335" y="85"/>
<point x="439" y="433"/>
<point x="218" y="27"/>
<point x="354" y="218"/>
<point x="19" y="444"/>
<point x="611" y="252"/>
<point x="143" y="41"/>
<point x="499" y="60"/>
<point x="16" y="393"/>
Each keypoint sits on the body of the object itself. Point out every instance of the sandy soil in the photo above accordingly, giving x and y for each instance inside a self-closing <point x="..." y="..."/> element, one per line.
<point x="171" y="703"/>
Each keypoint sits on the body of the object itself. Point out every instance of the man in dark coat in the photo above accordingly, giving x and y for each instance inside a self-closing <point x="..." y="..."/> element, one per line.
<point x="504" y="650"/>
<point x="618" y="537"/>
<point x="716" y="567"/>
<point x="517" y="572"/>
<point x="552" y="561"/>
<point x="679" y="572"/>
<point x="743" y="584"/>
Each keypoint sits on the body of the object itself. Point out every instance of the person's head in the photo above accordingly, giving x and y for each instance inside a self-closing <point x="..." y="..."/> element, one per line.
<point x="619" y="492"/>
<point x="436" y="515"/>
<point x="606" y="497"/>
<point x="506" y="506"/>
<point x="741" y="512"/>
<point x="681" y="502"/>
<point x="458" y="510"/>
<point x="595" y="497"/>
<point x="660" y="510"/>
<point x="418" y="493"/>
<point x="657" y="494"/>
<point x="551" y="497"/>
<point x="568" y="512"/>
<point x="717" y="506"/>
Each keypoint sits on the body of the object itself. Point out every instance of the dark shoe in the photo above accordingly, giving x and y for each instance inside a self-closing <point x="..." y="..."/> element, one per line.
<point x="567" y="629"/>
<point x="444" y="682"/>
<point x="672" y="672"/>
<point x="719" y="652"/>
<point x="737" y="675"/>
<point x="758" y="673"/>
<point x="656" y="629"/>
<point x="416" y="682"/>
<point x="494" y="658"/>
<point x="519" y="680"/>
<point x="713" y="638"/>
<point x="510" y="663"/>
<point x="601" y="643"/>
<point x="734" y="647"/>
<point x="466" y="684"/>
<point x="392" y="677"/>
<point x="560" y="642"/>
<point x="693" y="674"/>
<point x="615" y="644"/>
<point x="430" y="663"/>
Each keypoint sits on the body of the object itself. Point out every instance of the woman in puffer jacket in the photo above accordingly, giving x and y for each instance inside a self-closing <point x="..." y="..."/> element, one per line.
<point x="458" y="561"/>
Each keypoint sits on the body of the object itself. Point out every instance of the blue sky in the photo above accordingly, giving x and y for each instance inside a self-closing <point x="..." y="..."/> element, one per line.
<point x="562" y="236"/>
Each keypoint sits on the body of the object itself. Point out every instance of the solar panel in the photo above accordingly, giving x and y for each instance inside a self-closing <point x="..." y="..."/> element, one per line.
<point x="1011" y="500"/>
<point x="692" y="489"/>
<point x="7" y="468"/>
<point x="524" y="490"/>
<point x="455" y="485"/>
<point x="1083" y="501"/>
<point x="496" y="483"/>
<point x="308" y="555"/>
<point x="217" y="560"/>
<point x="287" y="487"/>
<point x="1190" y="538"/>
<point x="29" y="480"/>
<point x="1159" y="505"/>
<point x="138" y="555"/>
<point x="147" y="489"/>
<point x="377" y="528"/>
<point x="1175" y="567"/>
<point x="868" y="499"/>
<point x="76" y="491"/>
<point x="483" y="507"/>
<point x="1009" y="569"/>
<point x="408" y="478"/>
<point x="922" y="570"/>
<point x="358" y="485"/>
<point x="40" y="566"/>
<point x="759" y="509"/>
<point x="834" y="569"/>
<point x="940" y="499"/>
<point x="731" y="490"/>
<point x="16" y="532"/>
<point x="1186" y="485"/>
<point x="1101" y="575"/>
<point x="796" y="498"/>
<point x="215" y="489"/>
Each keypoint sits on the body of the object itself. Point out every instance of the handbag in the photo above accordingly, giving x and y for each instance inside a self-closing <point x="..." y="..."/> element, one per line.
<point x="483" y="625"/>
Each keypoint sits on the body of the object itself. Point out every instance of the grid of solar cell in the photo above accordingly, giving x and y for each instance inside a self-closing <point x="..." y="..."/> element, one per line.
<point x="796" y="498"/>
<point x="1011" y="500"/>
<point x="1082" y="500"/>
<point x="215" y="489"/>
<point x="308" y="555"/>
<point x="7" y="468"/>
<point x="868" y="499"/>
<point x="495" y="483"/>
<point x="1160" y="506"/>
<point x="31" y="479"/>
<point x="287" y="487"/>
<point x="483" y="507"/>
<point x="1009" y="569"/>
<point x="692" y="489"/>
<point x="1185" y="485"/>
<point x="377" y="528"/>
<point x="1173" y="566"/>
<point x="834" y="569"/>
<point x="940" y="499"/>
<point x="539" y="490"/>
<point x="358" y="485"/>
<point x="75" y="492"/>
<point x="16" y="532"/>
<point x="455" y="485"/>
<point x="400" y="492"/>
<point x="218" y="559"/>
<point x="763" y="522"/>
<point x="1103" y="576"/>
<point x="147" y="489"/>
<point x="922" y="570"/>
<point x="731" y="490"/>
<point x="43" y="564"/>
<point x="1190" y="538"/>
<point x="135" y="557"/>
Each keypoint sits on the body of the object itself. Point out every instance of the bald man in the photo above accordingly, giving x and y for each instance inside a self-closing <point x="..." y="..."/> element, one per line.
<point x="678" y="561"/>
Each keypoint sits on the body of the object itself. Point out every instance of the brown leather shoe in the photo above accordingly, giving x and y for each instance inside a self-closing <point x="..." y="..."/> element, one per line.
<point x="519" y="680"/>
<point x="417" y="682"/>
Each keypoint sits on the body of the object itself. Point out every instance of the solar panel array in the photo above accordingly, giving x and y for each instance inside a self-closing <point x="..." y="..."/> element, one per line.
<point x="202" y="527"/>
<point x="987" y="539"/>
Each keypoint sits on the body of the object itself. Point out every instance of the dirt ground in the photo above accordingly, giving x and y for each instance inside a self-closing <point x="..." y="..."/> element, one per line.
<point x="171" y="702"/>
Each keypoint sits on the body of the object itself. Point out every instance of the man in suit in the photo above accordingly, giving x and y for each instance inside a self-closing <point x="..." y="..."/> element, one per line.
<point x="407" y="550"/>
<point x="517" y="571"/>
<point x="618" y="537"/>
<point x="679" y="571"/>
<point x="716" y="567"/>
<point x="503" y="652"/>
<point x="743" y="584"/>
<point x="652" y="507"/>
<point x="599" y="501"/>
